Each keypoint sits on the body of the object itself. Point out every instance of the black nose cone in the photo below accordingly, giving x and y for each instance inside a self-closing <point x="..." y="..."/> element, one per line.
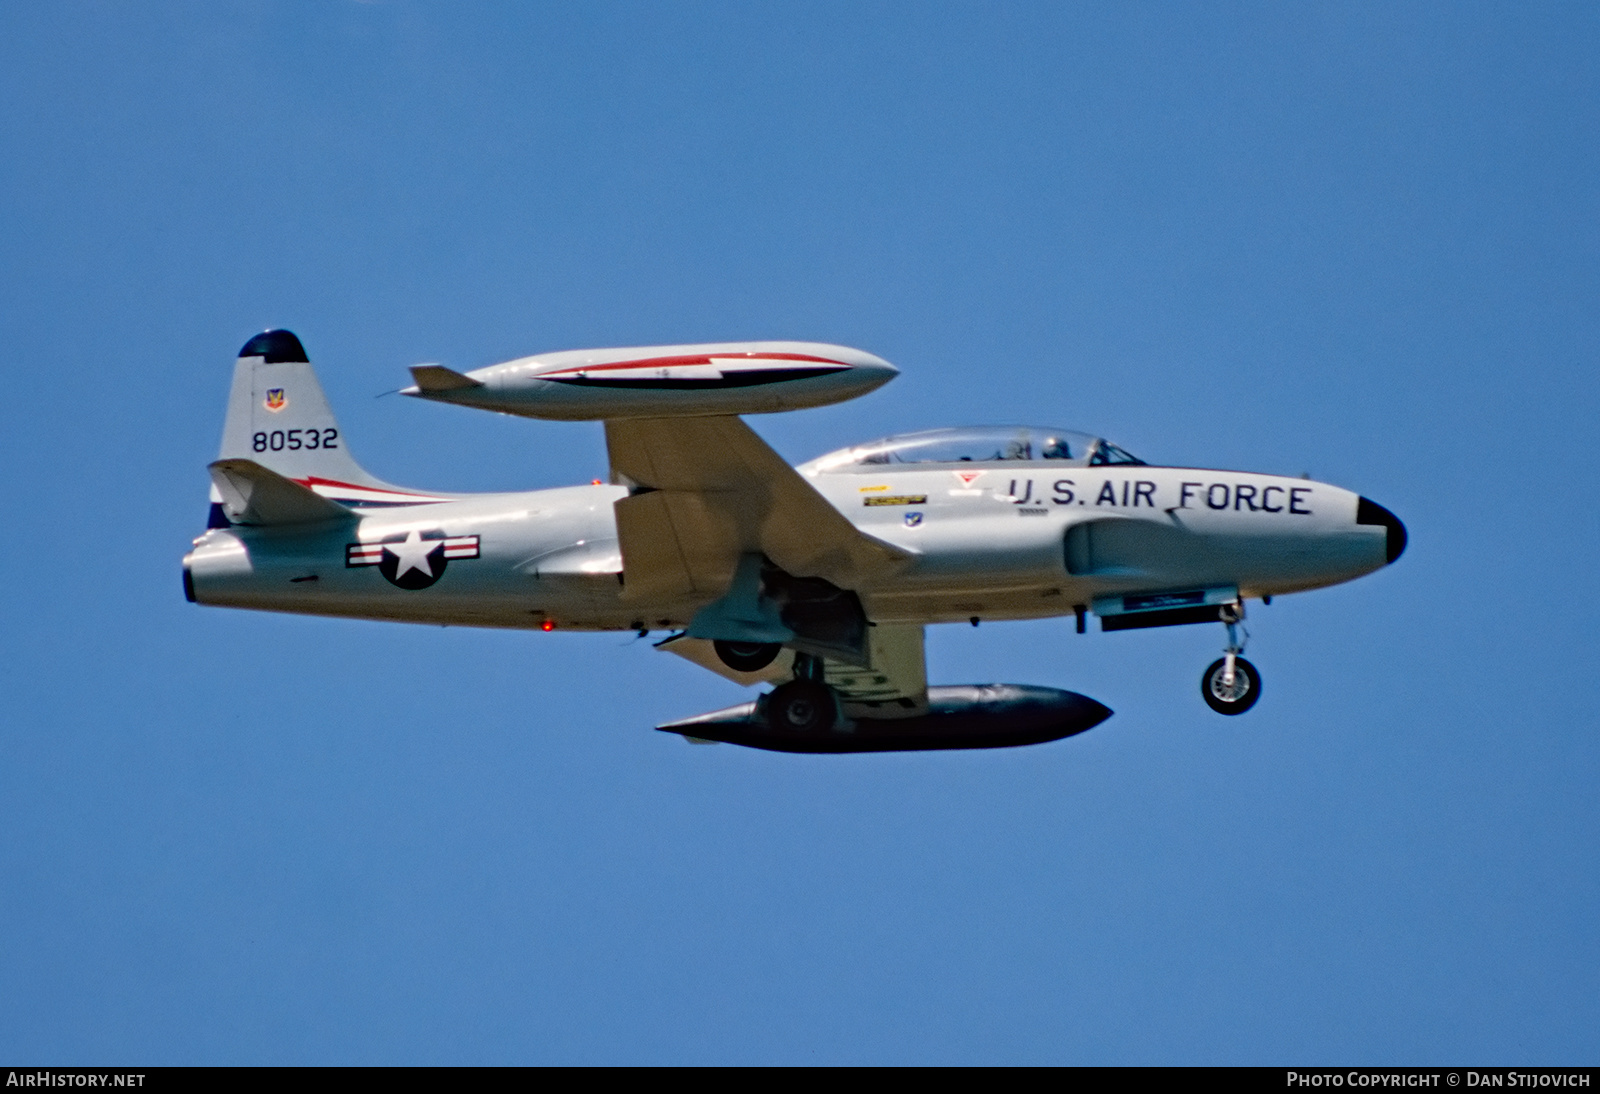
<point x="1370" y="512"/>
<point x="274" y="347"/>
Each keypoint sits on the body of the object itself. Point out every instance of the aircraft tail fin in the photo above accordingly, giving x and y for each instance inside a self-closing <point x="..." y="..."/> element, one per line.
<point x="279" y="417"/>
<point x="280" y="422"/>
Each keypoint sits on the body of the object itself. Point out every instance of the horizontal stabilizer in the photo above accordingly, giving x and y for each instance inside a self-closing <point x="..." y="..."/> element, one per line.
<point x="436" y="379"/>
<point x="251" y="494"/>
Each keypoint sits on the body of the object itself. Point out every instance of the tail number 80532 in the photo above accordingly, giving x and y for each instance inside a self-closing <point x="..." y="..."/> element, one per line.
<point x="293" y="439"/>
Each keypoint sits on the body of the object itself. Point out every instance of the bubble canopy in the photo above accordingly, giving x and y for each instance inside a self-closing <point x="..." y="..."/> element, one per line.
<point x="979" y="444"/>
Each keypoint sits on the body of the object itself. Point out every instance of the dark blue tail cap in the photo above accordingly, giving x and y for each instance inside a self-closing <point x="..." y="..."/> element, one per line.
<point x="275" y="347"/>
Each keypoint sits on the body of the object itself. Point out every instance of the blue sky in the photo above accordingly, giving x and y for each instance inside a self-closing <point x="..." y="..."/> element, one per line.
<point x="1352" y="240"/>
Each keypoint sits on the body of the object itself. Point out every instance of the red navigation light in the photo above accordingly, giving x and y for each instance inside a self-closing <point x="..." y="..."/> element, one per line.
<point x="548" y="625"/>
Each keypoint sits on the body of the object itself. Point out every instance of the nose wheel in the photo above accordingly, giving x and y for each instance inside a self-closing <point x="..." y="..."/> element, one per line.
<point x="1231" y="696"/>
<point x="1231" y="685"/>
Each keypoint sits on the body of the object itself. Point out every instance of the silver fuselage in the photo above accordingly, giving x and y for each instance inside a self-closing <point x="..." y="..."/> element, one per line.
<point x="994" y="540"/>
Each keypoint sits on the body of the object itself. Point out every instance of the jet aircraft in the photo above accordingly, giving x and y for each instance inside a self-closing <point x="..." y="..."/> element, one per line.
<point x="817" y="579"/>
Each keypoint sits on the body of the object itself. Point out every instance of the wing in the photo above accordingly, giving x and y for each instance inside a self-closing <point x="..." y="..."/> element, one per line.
<point x="708" y="490"/>
<point x="893" y="684"/>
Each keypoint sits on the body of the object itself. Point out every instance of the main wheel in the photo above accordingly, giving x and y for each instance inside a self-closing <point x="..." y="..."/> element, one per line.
<point x="801" y="706"/>
<point x="1238" y="698"/>
<point x="746" y="656"/>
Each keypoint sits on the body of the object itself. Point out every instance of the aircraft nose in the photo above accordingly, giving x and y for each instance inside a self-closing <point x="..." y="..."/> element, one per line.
<point x="1370" y="512"/>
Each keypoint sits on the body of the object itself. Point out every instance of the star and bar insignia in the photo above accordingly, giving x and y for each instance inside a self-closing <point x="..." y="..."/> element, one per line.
<point x="414" y="559"/>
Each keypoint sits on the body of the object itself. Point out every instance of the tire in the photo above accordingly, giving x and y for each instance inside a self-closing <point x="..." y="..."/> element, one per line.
<point x="1246" y="687"/>
<point x="801" y="706"/>
<point x="746" y="656"/>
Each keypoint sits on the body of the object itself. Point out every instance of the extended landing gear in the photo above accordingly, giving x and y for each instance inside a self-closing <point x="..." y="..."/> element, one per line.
<point x="805" y="704"/>
<point x="1231" y="685"/>
<point x="747" y="656"/>
<point x="1231" y="696"/>
<point x="801" y="706"/>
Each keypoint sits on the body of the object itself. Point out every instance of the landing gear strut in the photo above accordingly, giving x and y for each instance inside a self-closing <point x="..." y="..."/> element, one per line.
<point x="1231" y="685"/>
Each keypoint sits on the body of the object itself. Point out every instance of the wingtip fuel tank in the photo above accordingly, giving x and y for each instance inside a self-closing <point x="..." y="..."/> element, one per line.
<point x="661" y="381"/>
<point x="959" y="716"/>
